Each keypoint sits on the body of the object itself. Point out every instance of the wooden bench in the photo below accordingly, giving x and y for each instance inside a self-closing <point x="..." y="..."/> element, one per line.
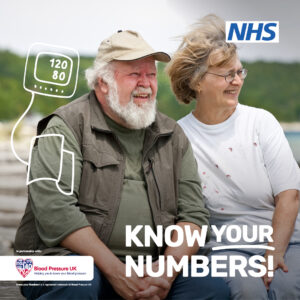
<point x="9" y="290"/>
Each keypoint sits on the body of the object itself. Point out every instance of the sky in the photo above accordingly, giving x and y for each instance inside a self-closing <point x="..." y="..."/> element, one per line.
<point x="83" y="24"/>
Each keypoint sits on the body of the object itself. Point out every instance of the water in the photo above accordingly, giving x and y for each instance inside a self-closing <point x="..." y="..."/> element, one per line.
<point x="294" y="140"/>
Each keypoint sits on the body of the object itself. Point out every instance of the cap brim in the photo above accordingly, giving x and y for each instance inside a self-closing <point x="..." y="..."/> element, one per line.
<point x="134" y="55"/>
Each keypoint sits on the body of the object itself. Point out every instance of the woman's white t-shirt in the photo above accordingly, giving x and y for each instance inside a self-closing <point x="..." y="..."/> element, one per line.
<point x="243" y="163"/>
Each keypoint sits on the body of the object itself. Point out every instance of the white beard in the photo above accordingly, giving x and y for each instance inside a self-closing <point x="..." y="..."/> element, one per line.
<point x="136" y="117"/>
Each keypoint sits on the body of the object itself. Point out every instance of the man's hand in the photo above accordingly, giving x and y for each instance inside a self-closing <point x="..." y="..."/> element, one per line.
<point x="278" y="262"/>
<point x="126" y="287"/>
<point x="110" y="266"/>
<point x="159" y="287"/>
<point x="134" y="287"/>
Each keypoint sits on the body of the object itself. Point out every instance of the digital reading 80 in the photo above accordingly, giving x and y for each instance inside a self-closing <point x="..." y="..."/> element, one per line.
<point x="51" y="70"/>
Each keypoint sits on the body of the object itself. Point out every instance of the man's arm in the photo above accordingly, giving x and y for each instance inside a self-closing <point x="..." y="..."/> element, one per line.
<point x="177" y="253"/>
<point x="56" y="214"/>
<point x="283" y="223"/>
<point x="191" y="212"/>
<point x="85" y="242"/>
<point x="184" y="249"/>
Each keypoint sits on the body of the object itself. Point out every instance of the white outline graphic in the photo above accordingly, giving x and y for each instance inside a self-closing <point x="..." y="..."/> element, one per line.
<point x="55" y="89"/>
<point x="62" y="151"/>
<point x="14" y="129"/>
<point x="53" y="54"/>
<point x="243" y="247"/>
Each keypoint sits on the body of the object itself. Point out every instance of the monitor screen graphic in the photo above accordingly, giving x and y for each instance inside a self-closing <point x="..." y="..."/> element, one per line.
<point x="58" y="66"/>
<point x="51" y="70"/>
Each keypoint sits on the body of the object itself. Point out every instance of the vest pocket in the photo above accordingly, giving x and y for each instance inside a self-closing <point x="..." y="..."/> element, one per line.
<point x="100" y="180"/>
<point x="98" y="158"/>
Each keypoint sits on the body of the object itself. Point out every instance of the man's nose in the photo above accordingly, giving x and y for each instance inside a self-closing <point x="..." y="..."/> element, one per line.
<point x="144" y="81"/>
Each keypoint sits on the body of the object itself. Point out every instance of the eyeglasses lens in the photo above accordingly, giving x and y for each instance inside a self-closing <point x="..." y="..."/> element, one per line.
<point x="241" y="73"/>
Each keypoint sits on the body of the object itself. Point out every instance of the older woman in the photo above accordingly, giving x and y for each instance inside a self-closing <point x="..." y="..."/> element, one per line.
<point x="248" y="172"/>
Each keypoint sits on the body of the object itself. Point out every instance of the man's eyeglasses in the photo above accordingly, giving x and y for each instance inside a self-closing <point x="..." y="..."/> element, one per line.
<point x="231" y="75"/>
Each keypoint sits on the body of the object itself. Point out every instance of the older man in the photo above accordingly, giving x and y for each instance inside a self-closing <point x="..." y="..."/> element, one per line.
<point x="133" y="166"/>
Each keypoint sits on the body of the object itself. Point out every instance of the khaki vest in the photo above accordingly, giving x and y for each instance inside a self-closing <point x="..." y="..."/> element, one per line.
<point x="103" y="170"/>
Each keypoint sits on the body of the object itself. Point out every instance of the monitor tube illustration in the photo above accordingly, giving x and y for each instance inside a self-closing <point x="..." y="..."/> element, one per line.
<point x="50" y="71"/>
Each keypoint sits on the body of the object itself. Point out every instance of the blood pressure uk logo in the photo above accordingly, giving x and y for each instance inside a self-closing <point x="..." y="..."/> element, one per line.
<point x="24" y="266"/>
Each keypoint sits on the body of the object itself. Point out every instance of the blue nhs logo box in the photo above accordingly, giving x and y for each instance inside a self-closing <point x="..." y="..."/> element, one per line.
<point x="252" y="31"/>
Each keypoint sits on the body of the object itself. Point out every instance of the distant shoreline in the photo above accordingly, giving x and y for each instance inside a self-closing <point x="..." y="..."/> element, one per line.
<point x="26" y="132"/>
<point x="6" y="126"/>
<point x="293" y="126"/>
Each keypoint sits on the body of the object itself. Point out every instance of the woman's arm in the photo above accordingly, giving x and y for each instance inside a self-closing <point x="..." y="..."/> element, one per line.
<point x="283" y="222"/>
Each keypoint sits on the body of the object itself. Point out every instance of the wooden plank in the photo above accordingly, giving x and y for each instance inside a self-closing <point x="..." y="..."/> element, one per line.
<point x="9" y="290"/>
<point x="12" y="168"/>
<point x="9" y="203"/>
<point x="10" y="219"/>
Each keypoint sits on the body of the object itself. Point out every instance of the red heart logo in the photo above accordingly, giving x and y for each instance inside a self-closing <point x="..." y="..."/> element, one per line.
<point x="24" y="266"/>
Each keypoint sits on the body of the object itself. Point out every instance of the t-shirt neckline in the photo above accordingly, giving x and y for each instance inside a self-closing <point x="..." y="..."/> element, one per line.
<point x="223" y="124"/>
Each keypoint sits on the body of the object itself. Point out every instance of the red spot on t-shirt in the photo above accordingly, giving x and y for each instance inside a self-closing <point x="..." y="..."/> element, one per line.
<point x="203" y="173"/>
<point x="230" y="149"/>
<point x="255" y="144"/>
<point x="217" y="166"/>
<point x="228" y="176"/>
<point x="222" y="208"/>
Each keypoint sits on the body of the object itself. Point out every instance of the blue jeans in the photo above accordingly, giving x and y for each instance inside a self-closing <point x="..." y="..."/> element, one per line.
<point x="284" y="286"/>
<point x="183" y="288"/>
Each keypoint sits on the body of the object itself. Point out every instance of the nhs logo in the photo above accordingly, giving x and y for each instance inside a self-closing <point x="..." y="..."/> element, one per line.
<point x="252" y="31"/>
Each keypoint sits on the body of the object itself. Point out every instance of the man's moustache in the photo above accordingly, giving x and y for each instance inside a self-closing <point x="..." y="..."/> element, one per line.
<point x="142" y="91"/>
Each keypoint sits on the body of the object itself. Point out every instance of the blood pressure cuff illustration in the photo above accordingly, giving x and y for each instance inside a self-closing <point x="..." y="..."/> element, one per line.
<point x="49" y="160"/>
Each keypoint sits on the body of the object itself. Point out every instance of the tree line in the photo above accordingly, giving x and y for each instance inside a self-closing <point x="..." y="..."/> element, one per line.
<point x="270" y="85"/>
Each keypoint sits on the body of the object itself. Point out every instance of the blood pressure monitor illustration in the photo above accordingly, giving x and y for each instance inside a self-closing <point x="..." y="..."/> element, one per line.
<point x="50" y="71"/>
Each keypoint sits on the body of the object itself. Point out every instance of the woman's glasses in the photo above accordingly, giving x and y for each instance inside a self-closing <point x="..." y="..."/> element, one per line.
<point x="231" y="75"/>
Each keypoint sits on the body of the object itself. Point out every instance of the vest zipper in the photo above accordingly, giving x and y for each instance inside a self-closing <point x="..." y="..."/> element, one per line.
<point x="151" y="162"/>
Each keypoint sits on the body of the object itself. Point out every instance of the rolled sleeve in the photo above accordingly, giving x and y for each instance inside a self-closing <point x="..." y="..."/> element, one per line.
<point x="190" y="202"/>
<point x="283" y="171"/>
<point x="57" y="214"/>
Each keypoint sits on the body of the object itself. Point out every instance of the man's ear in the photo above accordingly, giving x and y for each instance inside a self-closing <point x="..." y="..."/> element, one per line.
<point x="103" y="86"/>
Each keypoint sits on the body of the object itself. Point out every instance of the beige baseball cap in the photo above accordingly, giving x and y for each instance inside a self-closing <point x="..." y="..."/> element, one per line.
<point x="128" y="45"/>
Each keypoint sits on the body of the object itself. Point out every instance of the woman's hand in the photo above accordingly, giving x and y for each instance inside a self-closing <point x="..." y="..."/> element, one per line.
<point x="278" y="263"/>
<point x="283" y="223"/>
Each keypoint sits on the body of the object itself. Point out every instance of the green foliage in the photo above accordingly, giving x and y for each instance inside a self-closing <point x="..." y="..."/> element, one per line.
<point x="14" y="99"/>
<point x="273" y="86"/>
<point x="166" y="100"/>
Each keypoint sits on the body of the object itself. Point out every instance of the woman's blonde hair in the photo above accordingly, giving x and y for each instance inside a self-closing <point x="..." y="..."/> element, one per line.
<point x="204" y="46"/>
